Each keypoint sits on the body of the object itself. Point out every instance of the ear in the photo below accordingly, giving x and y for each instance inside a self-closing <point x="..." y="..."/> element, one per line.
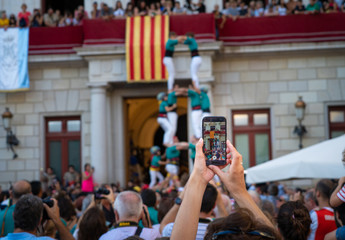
<point x="317" y="193"/>
<point x="116" y="216"/>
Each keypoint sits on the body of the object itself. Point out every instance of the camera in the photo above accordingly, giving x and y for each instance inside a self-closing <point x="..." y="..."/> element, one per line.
<point x="100" y="192"/>
<point x="50" y="204"/>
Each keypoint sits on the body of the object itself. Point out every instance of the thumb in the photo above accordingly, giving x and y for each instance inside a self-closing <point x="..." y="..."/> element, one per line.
<point x="217" y="170"/>
<point x="198" y="148"/>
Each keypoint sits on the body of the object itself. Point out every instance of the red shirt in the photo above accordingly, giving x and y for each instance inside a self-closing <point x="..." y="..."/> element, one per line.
<point x="25" y="15"/>
<point x="326" y="223"/>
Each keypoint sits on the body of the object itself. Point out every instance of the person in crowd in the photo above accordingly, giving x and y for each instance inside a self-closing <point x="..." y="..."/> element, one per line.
<point x="150" y="201"/>
<point x="69" y="20"/>
<point x="129" y="10"/>
<point x="136" y="12"/>
<point x="333" y="6"/>
<point x="323" y="219"/>
<point x="4" y="21"/>
<point x="13" y="21"/>
<point x="338" y="195"/>
<point x="186" y="222"/>
<point x="20" y="188"/>
<point x="24" y="16"/>
<point x="290" y="6"/>
<point x="310" y="201"/>
<point x="129" y="209"/>
<point x="106" y="12"/>
<point x="92" y="225"/>
<point x="299" y="9"/>
<point x="80" y="11"/>
<point x="242" y="9"/>
<point x="282" y="11"/>
<point x="153" y="10"/>
<point x="107" y="202"/>
<point x="37" y="19"/>
<point x="58" y="16"/>
<point x="71" y="177"/>
<point x="36" y="188"/>
<point x="50" y="19"/>
<point x="200" y="6"/>
<point x="168" y="58"/>
<point x="48" y="178"/>
<point x="259" y="10"/>
<point x="156" y="162"/>
<point x="163" y="118"/>
<point x="313" y="7"/>
<point x="27" y="216"/>
<point x="95" y="12"/>
<point x="271" y="11"/>
<point x="172" y="103"/>
<point x="68" y="214"/>
<point x="216" y="12"/>
<point x="87" y="184"/>
<point x="294" y="221"/>
<point x="178" y="10"/>
<point x="251" y="9"/>
<point x="119" y="12"/>
<point x="232" y="11"/>
<point x="142" y="8"/>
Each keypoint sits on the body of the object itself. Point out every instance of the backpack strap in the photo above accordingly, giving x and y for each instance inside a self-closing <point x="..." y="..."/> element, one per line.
<point x="3" y="223"/>
<point x="138" y="231"/>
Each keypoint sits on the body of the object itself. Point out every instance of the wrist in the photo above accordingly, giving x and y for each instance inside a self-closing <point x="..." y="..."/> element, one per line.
<point x="196" y="178"/>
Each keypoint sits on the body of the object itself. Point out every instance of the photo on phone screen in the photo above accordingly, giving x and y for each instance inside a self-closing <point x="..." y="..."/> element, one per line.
<point x="214" y="136"/>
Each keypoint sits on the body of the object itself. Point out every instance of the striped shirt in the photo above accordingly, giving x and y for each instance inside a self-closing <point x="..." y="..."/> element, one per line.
<point x="341" y="194"/>
<point x="199" y="235"/>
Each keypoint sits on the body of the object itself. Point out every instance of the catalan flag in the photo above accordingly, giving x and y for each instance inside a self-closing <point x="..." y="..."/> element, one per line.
<point x="145" y="48"/>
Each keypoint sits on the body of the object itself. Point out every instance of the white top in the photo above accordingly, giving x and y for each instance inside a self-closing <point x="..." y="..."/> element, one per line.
<point x="199" y="235"/>
<point x="281" y="11"/>
<point x="119" y="12"/>
<point x="125" y="232"/>
<point x="341" y="194"/>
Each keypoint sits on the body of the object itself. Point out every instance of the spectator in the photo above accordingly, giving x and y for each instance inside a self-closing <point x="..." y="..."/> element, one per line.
<point x="119" y="12"/>
<point x="4" y="21"/>
<point x="20" y="188"/>
<point x="333" y="6"/>
<point x="294" y="221"/>
<point x="161" y="5"/>
<point x="106" y="11"/>
<point x="200" y="6"/>
<point x="87" y="184"/>
<point x="48" y="178"/>
<point x="24" y="17"/>
<point x="37" y="20"/>
<point x="95" y="12"/>
<point x="251" y="9"/>
<point x="71" y="177"/>
<point x="13" y="21"/>
<point x="323" y="219"/>
<point x="299" y="7"/>
<point x="153" y="10"/>
<point x="232" y="10"/>
<point x="271" y="11"/>
<point x="68" y="214"/>
<point x="178" y="10"/>
<point x="136" y="12"/>
<point x="92" y="225"/>
<point x="36" y="188"/>
<point x="310" y="201"/>
<point x="150" y="200"/>
<point x="80" y="11"/>
<point x="27" y="216"/>
<point x="282" y="11"/>
<point x="129" y="10"/>
<point x="259" y="10"/>
<point x="313" y="7"/>
<point x="142" y="8"/>
<point x="217" y="14"/>
<point x="70" y="21"/>
<point x="242" y="9"/>
<point x="290" y="6"/>
<point x="129" y="210"/>
<point x="50" y="20"/>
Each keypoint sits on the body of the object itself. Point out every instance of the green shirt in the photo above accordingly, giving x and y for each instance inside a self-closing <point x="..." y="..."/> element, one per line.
<point x="153" y="215"/>
<point x="191" y="43"/>
<point x="155" y="161"/>
<point x="9" y="222"/>
<point x="194" y="97"/>
<point x="172" y="152"/>
<point x="172" y="98"/>
<point x="170" y="45"/>
<point x="205" y="101"/>
<point x="162" y="107"/>
<point x="192" y="150"/>
<point x="315" y="7"/>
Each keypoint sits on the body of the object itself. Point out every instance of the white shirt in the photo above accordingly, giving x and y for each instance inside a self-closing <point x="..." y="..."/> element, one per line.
<point x="125" y="232"/>
<point x="119" y="12"/>
<point x="199" y="235"/>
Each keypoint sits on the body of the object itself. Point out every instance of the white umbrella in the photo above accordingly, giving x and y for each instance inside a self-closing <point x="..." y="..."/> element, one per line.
<point x="322" y="160"/>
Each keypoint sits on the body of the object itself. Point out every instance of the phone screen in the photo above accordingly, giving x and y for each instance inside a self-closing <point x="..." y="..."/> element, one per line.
<point x="214" y="136"/>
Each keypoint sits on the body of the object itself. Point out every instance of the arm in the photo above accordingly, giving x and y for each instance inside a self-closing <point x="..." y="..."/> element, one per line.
<point x="335" y="201"/>
<point x="86" y="177"/>
<point x="331" y="235"/>
<point x="234" y="182"/>
<point x="182" y="145"/>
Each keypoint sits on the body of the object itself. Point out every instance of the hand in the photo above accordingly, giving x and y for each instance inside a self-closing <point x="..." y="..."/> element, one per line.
<point x="234" y="177"/>
<point x="341" y="181"/>
<point x="53" y="212"/>
<point x="110" y="197"/>
<point x="145" y="217"/>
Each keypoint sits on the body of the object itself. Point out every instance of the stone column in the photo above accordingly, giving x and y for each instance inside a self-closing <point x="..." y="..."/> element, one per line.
<point x="99" y="133"/>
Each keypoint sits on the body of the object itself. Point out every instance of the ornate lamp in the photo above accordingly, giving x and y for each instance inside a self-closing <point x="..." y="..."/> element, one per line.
<point x="11" y="138"/>
<point x="300" y="130"/>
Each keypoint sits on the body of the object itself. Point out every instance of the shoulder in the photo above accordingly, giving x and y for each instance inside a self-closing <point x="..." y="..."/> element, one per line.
<point x="109" y="235"/>
<point x="167" y="230"/>
<point x="150" y="233"/>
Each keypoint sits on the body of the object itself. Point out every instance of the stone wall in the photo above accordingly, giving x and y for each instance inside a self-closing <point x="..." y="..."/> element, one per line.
<point x="275" y="82"/>
<point x="54" y="91"/>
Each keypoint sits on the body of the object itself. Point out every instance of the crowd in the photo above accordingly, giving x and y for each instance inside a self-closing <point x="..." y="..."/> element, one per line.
<point x="194" y="207"/>
<point x="232" y="9"/>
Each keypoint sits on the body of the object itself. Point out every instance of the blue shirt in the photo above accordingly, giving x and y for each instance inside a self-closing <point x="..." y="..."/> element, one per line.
<point x="9" y="222"/>
<point x="340" y="233"/>
<point x="24" y="236"/>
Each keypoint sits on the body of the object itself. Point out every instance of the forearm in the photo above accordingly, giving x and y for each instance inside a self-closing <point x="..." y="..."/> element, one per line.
<point x="220" y="205"/>
<point x="186" y="224"/>
<point x="169" y="217"/>
<point x="63" y="231"/>
<point x="334" y="200"/>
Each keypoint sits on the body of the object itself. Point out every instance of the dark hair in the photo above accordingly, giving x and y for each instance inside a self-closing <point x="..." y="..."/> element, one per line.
<point x="86" y="164"/>
<point x="243" y="222"/>
<point x="294" y="221"/>
<point x="28" y="212"/>
<point x="164" y="206"/>
<point x="273" y="189"/>
<point x="341" y="215"/>
<point x="190" y="34"/>
<point x="71" y="166"/>
<point x="172" y="34"/>
<point x="66" y="207"/>
<point x="149" y="197"/>
<point x="209" y="199"/>
<point x="92" y="226"/>
<point x="36" y="187"/>
<point x="325" y="187"/>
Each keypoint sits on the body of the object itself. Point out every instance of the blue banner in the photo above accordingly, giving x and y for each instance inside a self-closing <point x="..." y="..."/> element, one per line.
<point x="14" y="48"/>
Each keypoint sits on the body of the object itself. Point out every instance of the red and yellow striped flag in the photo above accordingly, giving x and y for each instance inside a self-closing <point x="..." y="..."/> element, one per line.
<point x="145" y="48"/>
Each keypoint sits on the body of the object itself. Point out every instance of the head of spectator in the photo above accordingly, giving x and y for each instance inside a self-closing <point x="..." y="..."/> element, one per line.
<point x="323" y="191"/>
<point x="233" y="4"/>
<point x="128" y="206"/>
<point x="36" y="188"/>
<point x="256" y="197"/>
<point x="294" y="221"/>
<point x="310" y="200"/>
<point x="281" y="200"/>
<point x="165" y="205"/>
<point x="3" y="15"/>
<point x="28" y="214"/>
<point x="149" y="198"/>
<point x="259" y="5"/>
<point x="129" y="9"/>
<point x="71" y="168"/>
<point x="216" y="8"/>
<point x="299" y="3"/>
<point x="282" y="3"/>
<point x="240" y="224"/>
<point x="24" y="7"/>
<point x="13" y="21"/>
<point x="272" y="190"/>
<point x="169" y="5"/>
<point x="268" y="209"/>
<point x="208" y="201"/>
<point x="252" y="5"/>
<point x="20" y="188"/>
<point x="67" y="210"/>
<point x="172" y="35"/>
<point x="50" y="13"/>
<point x="87" y="167"/>
<point x="92" y="224"/>
<point x="118" y="5"/>
<point x="81" y="8"/>
<point x="142" y="6"/>
<point x="95" y="5"/>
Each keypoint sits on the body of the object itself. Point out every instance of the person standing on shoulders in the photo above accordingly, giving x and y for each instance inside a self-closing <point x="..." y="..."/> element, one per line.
<point x="87" y="184"/>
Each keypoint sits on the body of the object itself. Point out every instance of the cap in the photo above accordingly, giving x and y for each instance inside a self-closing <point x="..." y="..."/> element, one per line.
<point x="161" y="95"/>
<point x="204" y="89"/>
<point x="154" y="149"/>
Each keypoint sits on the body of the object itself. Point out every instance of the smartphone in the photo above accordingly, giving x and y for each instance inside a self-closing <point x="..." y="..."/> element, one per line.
<point x="214" y="136"/>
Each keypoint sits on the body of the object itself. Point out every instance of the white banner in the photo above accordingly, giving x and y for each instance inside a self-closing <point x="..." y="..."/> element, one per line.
<point x="14" y="48"/>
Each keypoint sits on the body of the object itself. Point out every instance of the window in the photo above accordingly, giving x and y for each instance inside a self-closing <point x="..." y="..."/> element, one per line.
<point x="336" y="119"/>
<point x="252" y="135"/>
<point x="63" y="146"/>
